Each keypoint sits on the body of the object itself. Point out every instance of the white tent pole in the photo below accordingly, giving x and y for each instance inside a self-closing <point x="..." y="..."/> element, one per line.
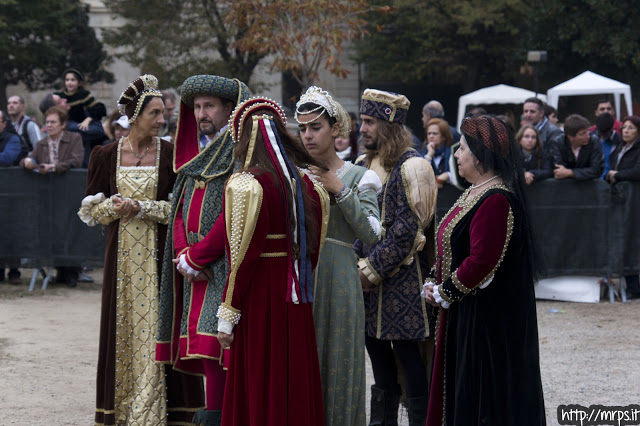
<point x="617" y="98"/>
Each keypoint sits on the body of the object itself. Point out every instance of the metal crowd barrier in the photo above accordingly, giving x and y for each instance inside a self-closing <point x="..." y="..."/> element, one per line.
<point x="582" y="228"/>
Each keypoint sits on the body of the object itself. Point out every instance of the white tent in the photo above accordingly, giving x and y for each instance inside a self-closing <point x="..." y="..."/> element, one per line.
<point x="499" y="94"/>
<point x="590" y="83"/>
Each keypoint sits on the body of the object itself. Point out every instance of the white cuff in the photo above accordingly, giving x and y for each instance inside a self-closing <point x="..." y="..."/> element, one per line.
<point x="487" y="283"/>
<point x="375" y="225"/>
<point x="225" y="326"/>
<point x="183" y="263"/>
<point x="423" y="293"/>
<point x="85" y="206"/>
<point x="439" y="300"/>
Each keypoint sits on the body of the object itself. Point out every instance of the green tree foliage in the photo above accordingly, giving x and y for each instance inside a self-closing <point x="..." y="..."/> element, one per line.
<point x="596" y="35"/>
<point x="462" y="42"/>
<point x="40" y="39"/>
<point x="477" y="43"/>
<point x="174" y="39"/>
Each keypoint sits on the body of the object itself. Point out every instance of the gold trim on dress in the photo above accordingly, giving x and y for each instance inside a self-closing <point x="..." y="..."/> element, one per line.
<point x="466" y="206"/>
<point x="276" y="236"/>
<point x="338" y="242"/>
<point x="274" y="254"/>
<point x="323" y="195"/>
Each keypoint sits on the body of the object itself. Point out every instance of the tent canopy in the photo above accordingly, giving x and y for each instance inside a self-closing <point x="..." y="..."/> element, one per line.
<point x="590" y="83"/>
<point x="499" y="94"/>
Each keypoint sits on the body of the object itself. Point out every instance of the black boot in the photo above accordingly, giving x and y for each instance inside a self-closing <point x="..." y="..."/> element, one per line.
<point x="384" y="407"/>
<point x="208" y="418"/>
<point x="417" y="408"/>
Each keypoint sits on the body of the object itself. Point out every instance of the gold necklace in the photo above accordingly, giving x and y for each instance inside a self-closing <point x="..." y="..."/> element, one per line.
<point x="139" y="156"/>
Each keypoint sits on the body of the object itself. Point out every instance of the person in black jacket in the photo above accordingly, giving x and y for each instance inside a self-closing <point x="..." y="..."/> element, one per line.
<point x="625" y="159"/>
<point x="576" y="154"/>
<point x="625" y="165"/>
<point x="533" y="113"/>
<point x="85" y="112"/>
<point x="536" y="161"/>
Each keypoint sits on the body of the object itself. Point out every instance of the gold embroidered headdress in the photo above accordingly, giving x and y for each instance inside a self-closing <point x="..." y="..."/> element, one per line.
<point x="131" y="100"/>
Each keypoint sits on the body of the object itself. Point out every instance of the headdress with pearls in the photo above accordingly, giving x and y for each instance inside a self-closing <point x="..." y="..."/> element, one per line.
<point x="133" y="96"/>
<point x="299" y="278"/>
<point x="326" y="103"/>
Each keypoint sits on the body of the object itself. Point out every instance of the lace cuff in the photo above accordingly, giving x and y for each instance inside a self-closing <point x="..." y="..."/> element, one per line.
<point x="96" y="209"/>
<point x="158" y="211"/>
<point x="183" y="263"/>
<point x="229" y="313"/>
<point x="440" y="298"/>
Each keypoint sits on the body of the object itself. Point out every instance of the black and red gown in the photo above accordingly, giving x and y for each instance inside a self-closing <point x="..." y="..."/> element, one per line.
<point x="486" y="367"/>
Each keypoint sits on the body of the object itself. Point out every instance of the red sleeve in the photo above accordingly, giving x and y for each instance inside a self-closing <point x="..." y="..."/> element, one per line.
<point x="179" y="233"/>
<point x="210" y="248"/>
<point x="487" y="234"/>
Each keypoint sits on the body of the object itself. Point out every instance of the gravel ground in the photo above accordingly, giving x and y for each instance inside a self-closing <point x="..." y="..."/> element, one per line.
<point x="590" y="354"/>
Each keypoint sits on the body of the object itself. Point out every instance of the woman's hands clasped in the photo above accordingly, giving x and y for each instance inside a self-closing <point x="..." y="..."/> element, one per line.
<point x="126" y="208"/>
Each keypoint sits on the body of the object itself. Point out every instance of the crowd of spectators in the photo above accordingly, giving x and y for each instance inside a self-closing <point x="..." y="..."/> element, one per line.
<point x="581" y="150"/>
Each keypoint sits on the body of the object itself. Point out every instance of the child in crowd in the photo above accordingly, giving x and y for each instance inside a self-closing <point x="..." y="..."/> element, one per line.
<point x="85" y="113"/>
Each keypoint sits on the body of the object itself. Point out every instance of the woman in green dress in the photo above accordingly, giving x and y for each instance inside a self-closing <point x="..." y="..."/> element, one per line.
<point x="338" y="306"/>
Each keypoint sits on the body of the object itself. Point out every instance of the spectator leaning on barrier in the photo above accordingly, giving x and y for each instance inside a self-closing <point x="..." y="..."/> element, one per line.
<point x="625" y="165"/>
<point x="24" y="125"/>
<point x="609" y="138"/>
<point x="537" y="163"/>
<point x="9" y="143"/>
<point x="576" y="153"/>
<point x="59" y="150"/>
<point x="625" y="159"/>
<point x="533" y="113"/>
<point x="9" y="154"/>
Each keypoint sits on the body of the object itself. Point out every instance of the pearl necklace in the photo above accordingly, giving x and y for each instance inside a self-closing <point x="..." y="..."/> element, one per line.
<point x="485" y="182"/>
<point x="139" y="156"/>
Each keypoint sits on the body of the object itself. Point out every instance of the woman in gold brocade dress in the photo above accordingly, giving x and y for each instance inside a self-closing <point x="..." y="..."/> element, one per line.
<point x="128" y="187"/>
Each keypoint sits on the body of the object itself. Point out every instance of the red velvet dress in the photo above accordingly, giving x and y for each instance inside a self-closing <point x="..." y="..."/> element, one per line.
<point x="486" y="366"/>
<point x="274" y="377"/>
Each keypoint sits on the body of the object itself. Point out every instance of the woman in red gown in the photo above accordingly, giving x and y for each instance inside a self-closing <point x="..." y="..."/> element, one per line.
<point x="276" y="218"/>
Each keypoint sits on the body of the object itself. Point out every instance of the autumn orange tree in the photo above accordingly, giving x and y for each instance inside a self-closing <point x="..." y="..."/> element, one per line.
<point x="302" y="35"/>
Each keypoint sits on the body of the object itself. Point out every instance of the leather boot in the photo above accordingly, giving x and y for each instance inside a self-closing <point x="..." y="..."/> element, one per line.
<point x="208" y="418"/>
<point x="417" y="408"/>
<point x="384" y="407"/>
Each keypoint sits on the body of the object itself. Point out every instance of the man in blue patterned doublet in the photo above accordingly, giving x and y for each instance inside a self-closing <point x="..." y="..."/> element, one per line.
<point x="195" y="269"/>
<point x="392" y="270"/>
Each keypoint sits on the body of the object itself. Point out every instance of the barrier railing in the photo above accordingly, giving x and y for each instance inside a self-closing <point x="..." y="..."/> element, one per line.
<point x="38" y="220"/>
<point x="582" y="228"/>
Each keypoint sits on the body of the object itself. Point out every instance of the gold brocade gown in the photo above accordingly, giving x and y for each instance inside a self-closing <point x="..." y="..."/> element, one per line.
<point x="140" y="391"/>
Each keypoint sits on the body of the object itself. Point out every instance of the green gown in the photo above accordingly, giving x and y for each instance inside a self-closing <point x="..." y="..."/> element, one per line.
<point x="338" y="306"/>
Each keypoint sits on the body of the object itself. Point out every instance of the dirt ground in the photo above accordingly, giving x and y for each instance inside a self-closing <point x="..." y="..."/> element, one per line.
<point x="590" y="354"/>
